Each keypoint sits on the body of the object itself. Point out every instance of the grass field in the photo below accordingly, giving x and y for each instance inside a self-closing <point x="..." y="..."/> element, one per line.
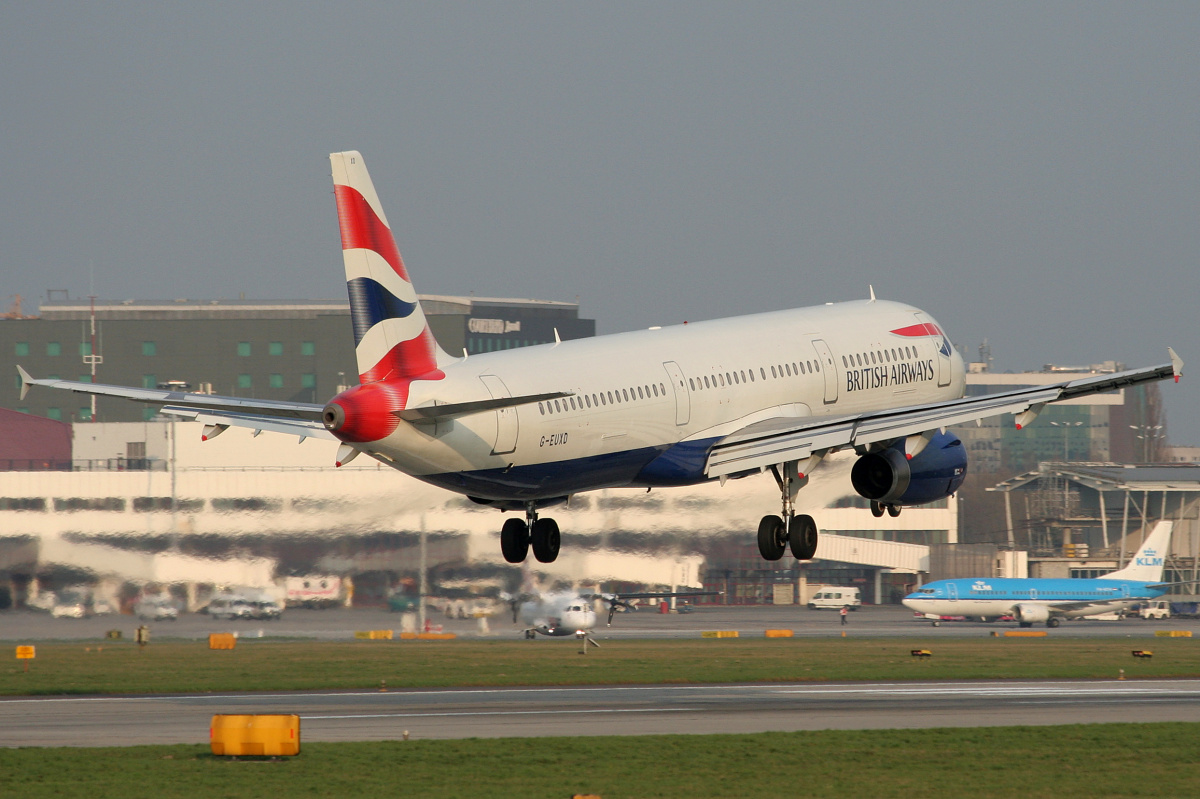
<point x="1114" y="760"/>
<point x="171" y="667"/>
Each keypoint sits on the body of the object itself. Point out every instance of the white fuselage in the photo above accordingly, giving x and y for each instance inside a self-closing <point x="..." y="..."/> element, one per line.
<point x="558" y="614"/>
<point x="637" y="395"/>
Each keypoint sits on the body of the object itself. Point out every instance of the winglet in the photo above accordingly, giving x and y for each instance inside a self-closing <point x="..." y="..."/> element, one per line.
<point x="1176" y="364"/>
<point x="26" y="381"/>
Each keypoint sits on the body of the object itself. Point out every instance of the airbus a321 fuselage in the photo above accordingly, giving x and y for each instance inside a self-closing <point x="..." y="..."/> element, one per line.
<point x="523" y="430"/>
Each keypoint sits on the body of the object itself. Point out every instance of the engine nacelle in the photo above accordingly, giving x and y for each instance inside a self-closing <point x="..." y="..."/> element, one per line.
<point x="1030" y="614"/>
<point x="889" y="477"/>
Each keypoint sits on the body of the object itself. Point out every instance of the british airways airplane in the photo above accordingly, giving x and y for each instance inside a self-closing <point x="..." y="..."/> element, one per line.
<point x="1049" y="600"/>
<point x="523" y="430"/>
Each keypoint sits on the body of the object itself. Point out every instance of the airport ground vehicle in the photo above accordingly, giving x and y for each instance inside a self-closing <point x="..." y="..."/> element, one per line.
<point x="230" y="607"/>
<point x="156" y="609"/>
<point x="1155" y="609"/>
<point x="835" y="597"/>
<point x="267" y="609"/>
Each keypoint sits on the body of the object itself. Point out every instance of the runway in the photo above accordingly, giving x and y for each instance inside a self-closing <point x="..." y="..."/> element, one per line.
<point x="602" y="710"/>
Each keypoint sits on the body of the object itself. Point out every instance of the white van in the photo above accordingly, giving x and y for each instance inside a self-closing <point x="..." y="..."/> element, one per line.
<point x="835" y="597"/>
<point x="1155" y="609"/>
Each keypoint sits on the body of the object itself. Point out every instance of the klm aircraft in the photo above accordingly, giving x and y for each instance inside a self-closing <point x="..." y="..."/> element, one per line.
<point x="1048" y="600"/>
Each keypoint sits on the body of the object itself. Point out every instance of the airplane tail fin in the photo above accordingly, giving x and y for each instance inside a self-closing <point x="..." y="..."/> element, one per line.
<point x="1147" y="565"/>
<point x="392" y="338"/>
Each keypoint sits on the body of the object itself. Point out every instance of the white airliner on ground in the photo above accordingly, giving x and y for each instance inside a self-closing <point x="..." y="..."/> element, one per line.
<point x="1031" y="600"/>
<point x="523" y="430"/>
<point x="571" y="613"/>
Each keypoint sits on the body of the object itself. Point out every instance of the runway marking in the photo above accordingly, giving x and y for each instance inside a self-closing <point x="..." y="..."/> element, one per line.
<point x="1171" y="687"/>
<point x="501" y="713"/>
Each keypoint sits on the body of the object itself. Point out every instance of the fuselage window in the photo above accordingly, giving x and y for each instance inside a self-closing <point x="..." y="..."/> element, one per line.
<point x="692" y="384"/>
<point x="873" y="358"/>
<point x="595" y="401"/>
<point x="556" y="408"/>
<point x="802" y="370"/>
<point x="844" y="364"/>
<point x="728" y="379"/>
<point x="722" y="379"/>
<point x="751" y="375"/>
<point x="735" y="378"/>
<point x="642" y="397"/>
<point x="541" y="410"/>
<point x="762" y="372"/>
<point x="625" y="393"/>
<point x="773" y="372"/>
<point x="706" y="385"/>
<point x="655" y="389"/>
<point x="816" y="366"/>
<point x="743" y="375"/>
<point x="573" y="404"/>
<point x="664" y="389"/>
<point x="795" y="369"/>
<point x="887" y="356"/>
<point x="602" y="400"/>
<point x="587" y="400"/>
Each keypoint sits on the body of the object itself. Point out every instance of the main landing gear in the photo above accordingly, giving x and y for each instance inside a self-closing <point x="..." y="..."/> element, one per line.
<point x="517" y="536"/>
<point x="877" y="509"/>
<point x="777" y="534"/>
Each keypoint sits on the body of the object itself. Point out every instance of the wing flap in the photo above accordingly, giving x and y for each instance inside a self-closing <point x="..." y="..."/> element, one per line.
<point x="303" y="428"/>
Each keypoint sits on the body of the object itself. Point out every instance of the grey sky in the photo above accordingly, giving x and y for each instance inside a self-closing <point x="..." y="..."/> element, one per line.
<point x="1028" y="173"/>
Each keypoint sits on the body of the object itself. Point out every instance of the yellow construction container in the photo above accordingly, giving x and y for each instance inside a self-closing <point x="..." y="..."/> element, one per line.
<point x="222" y="641"/>
<point x="263" y="735"/>
<point x="719" y="634"/>
<point x="1173" y="633"/>
<point x="779" y="633"/>
<point x="436" y="636"/>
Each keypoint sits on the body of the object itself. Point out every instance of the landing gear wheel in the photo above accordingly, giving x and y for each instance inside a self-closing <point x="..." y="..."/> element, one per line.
<point x="893" y="510"/>
<point x="1052" y="622"/>
<point x="514" y="540"/>
<point x="802" y="537"/>
<point x="771" y="538"/>
<point x="876" y="508"/>
<point x="545" y="539"/>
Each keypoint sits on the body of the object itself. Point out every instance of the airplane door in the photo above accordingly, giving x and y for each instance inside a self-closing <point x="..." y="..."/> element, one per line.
<point x="825" y="357"/>
<point x="952" y="590"/>
<point x="941" y="346"/>
<point x="506" y="418"/>
<point x="683" y="400"/>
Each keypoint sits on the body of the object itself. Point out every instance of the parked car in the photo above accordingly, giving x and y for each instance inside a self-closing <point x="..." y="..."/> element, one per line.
<point x="156" y="609"/>
<point x="69" y="609"/>
<point x="230" y="607"/>
<point x="836" y="597"/>
<point x="265" y="609"/>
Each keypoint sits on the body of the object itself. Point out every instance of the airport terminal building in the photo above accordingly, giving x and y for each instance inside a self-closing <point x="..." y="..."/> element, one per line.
<point x="301" y="350"/>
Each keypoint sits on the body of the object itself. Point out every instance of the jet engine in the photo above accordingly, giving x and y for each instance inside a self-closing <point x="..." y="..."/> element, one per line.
<point x="1030" y="614"/>
<point x="890" y="478"/>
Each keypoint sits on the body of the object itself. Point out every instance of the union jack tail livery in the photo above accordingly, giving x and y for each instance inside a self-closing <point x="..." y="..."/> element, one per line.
<point x="391" y="336"/>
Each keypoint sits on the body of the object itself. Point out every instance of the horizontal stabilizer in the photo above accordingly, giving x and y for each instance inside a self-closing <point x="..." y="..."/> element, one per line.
<point x="432" y="412"/>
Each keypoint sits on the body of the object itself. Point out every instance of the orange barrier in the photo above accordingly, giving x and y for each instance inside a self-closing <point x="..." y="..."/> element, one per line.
<point x="1024" y="633"/>
<point x="374" y="635"/>
<point x="1173" y="633"/>
<point x="263" y="735"/>
<point x="222" y="641"/>
<point x="779" y="633"/>
<point x="719" y="634"/>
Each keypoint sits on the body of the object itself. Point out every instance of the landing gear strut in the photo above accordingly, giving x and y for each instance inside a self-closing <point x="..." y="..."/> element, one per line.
<point x="517" y="536"/>
<point x="777" y="534"/>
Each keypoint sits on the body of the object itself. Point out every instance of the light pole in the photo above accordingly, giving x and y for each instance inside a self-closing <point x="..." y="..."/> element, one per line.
<point x="1066" y="426"/>
<point x="1148" y="433"/>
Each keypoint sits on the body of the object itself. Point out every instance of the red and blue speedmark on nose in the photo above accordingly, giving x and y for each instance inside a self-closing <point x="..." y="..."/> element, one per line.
<point x="900" y="372"/>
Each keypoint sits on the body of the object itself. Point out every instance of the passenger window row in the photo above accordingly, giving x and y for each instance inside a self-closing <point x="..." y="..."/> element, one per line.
<point x="602" y="399"/>
<point x="893" y="355"/>
<point x="721" y="380"/>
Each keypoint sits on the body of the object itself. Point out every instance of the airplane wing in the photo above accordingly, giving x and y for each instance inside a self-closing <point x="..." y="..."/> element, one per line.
<point x="782" y="439"/>
<point x="217" y="412"/>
